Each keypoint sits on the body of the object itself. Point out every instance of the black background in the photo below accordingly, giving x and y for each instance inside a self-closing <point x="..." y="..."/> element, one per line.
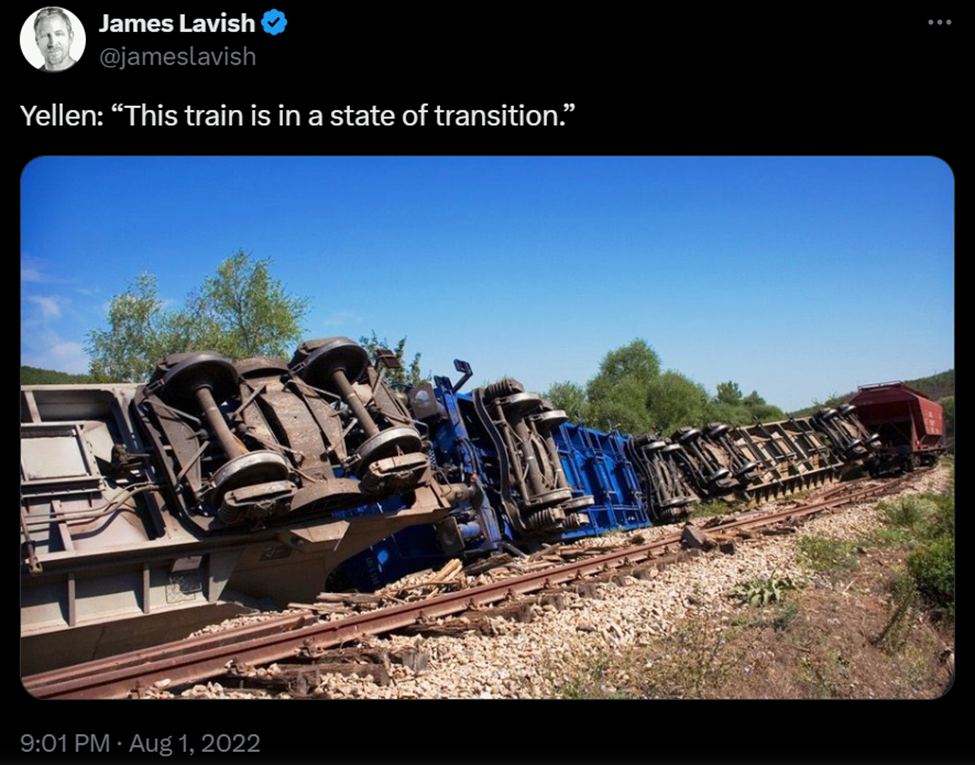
<point x="681" y="80"/>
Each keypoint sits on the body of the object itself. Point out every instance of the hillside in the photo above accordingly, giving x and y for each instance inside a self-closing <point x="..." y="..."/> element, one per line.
<point x="935" y="387"/>
<point x="37" y="376"/>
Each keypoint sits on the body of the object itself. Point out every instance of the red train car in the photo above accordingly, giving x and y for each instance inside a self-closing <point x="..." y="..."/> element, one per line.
<point x="910" y="425"/>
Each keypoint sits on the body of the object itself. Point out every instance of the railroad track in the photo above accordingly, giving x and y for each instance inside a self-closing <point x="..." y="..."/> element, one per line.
<point x="207" y="656"/>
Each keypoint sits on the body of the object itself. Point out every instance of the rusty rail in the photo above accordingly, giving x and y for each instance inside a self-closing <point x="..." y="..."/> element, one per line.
<point x="206" y="656"/>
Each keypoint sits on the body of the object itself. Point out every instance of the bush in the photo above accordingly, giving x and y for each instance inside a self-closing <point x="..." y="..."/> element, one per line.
<point x="933" y="569"/>
<point x="909" y="511"/>
<point x="943" y="521"/>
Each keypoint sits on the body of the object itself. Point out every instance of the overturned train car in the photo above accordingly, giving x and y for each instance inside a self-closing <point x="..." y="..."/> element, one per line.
<point x="150" y="510"/>
<point x="541" y="478"/>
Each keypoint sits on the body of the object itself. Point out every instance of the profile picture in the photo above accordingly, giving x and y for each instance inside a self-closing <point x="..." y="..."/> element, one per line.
<point x="52" y="39"/>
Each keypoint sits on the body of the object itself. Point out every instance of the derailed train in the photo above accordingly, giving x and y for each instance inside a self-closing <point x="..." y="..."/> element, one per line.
<point x="150" y="510"/>
<point x="543" y="478"/>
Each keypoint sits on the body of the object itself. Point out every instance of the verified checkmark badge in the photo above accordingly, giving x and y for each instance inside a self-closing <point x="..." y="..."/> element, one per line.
<point x="274" y="22"/>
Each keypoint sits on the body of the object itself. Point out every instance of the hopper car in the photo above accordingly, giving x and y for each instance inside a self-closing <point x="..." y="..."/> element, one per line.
<point x="909" y="425"/>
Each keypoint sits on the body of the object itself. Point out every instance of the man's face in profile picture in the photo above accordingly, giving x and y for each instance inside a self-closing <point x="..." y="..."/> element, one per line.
<point x="54" y="39"/>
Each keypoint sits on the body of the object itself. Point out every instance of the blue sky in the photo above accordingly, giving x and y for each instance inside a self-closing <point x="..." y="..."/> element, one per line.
<point x="798" y="277"/>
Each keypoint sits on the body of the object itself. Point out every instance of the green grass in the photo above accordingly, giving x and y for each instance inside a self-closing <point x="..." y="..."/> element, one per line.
<point x="762" y="592"/>
<point x="909" y="512"/>
<point x="713" y="508"/>
<point x="828" y="555"/>
<point x="887" y="536"/>
<point x="923" y="525"/>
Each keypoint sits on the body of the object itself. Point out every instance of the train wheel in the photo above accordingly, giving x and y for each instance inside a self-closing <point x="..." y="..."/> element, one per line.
<point x="716" y="430"/>
<point x="248" y="470"/>
<point x="333" y="355"/>
<point x="206" y="369"/>
<point x="520" y="404"/>
<point x="389" y="443"/>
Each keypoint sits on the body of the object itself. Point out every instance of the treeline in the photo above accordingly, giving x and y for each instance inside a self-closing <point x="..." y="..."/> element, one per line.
<point x="630" y="392"/>
<point x="936" y="386"/>
<point x="37" y="376"/>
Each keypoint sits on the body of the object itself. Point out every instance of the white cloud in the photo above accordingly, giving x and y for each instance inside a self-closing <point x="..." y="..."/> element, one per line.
<point x="30" y="270"/>
<point x="28" y="274"/>
<point x="50" y="306"/>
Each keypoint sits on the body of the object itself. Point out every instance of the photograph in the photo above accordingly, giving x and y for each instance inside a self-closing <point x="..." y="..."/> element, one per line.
<point x="485" y="426"/>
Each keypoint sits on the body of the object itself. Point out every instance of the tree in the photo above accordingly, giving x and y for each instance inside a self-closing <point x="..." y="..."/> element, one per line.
<point x="622" y="405"/>
<point x="570" y="397"/>
<point x="617" y="394"/>
<point x="729" y="406"/>
<point x="250" y="312"/>
<point x="674" y="400"/>
<point x="407" y="375"/>
<point x="759" y="409"/>
<point x="728" y="393"/>
<point x="133" y="342"/>
<point x="948" y="404"/>
<point x="636" y="360"/>
<point x="241" y="311"/>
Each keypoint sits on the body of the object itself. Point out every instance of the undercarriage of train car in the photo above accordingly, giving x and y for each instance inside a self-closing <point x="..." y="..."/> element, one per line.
<point x="148" y="511"/>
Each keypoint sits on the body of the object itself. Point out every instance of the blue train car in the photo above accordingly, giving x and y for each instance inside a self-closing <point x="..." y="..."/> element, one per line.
<point x="536" y="478"/>
<point x="597" y="465"/>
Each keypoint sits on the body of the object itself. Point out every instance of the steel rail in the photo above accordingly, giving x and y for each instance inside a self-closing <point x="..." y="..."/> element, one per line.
<point x="207" y="656"/>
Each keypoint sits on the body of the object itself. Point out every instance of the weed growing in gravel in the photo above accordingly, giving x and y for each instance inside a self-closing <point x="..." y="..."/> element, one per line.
<point x="697" y="660"/>
<point x="762" y="592"/>
<point x="712" y="508"/>
<point x="831" y="556"/>
<point x="584" y="677"/>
